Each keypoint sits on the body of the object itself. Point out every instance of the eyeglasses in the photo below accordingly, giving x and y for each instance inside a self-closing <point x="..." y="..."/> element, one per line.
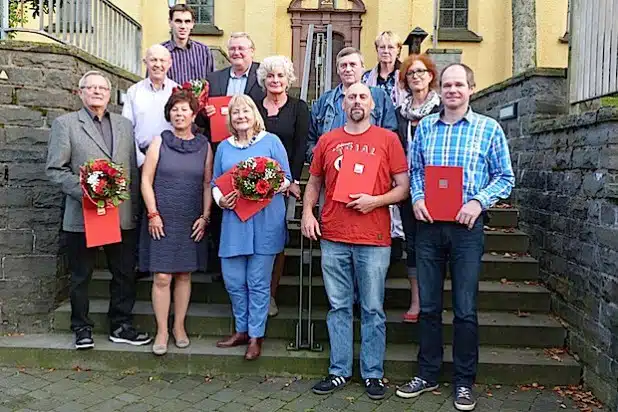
<point x="416" y="73"/>
<point x="94" y="87"/>
<point x="240" y="49"/>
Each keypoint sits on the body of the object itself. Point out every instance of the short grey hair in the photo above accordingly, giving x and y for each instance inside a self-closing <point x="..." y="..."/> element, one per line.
<point x="348" y="51"/>
<point x="271" y="63"/>
<point x="82" y="81"/>
<point x="241" y="35"/>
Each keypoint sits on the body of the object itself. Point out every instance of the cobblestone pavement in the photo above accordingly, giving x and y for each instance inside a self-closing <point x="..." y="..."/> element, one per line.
<point x="55" y="390"/>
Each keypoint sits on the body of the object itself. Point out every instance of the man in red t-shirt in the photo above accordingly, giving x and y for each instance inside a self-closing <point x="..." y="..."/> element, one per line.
<point x="356" y="238"/>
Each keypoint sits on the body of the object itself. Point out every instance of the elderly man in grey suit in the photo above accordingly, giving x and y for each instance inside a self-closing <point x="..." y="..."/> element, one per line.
<point x="88" y="134"/>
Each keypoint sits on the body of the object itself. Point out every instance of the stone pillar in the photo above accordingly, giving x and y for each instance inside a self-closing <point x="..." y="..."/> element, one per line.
<point x="524" y="35"/>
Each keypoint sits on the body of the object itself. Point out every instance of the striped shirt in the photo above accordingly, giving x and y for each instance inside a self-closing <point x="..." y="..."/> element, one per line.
<point x="476" y="143"/>
<point x="191" y="63"/>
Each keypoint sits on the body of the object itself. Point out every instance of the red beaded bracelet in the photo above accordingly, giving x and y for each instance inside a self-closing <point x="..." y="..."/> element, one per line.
<point x="153" y="215"/>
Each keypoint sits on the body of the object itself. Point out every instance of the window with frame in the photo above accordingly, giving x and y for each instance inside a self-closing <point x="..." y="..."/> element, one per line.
<point x="454" y="14"/>
<point x="204" y="11"/>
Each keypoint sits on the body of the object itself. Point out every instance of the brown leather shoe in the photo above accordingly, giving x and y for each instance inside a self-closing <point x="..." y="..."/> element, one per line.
<point x="236" y="339"/>
<point x="255" y="348"/>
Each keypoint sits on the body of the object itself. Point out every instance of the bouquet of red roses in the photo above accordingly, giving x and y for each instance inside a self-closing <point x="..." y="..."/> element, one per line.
<point x="200" y="89"/>
<point x="104" y="183"/>
<point x="258" y="178"/>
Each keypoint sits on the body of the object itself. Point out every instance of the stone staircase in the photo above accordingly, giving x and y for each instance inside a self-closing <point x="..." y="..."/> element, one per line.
<point x="517" y="332"/>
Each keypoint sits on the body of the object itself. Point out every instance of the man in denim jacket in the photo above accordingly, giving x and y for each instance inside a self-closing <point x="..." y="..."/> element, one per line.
<point x="327" y="112"/>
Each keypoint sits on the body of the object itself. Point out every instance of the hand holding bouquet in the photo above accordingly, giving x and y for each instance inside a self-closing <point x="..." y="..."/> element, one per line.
<point x="104" y="183"/>
<point x="200" y="89"/>
<point x="258" y="178"/>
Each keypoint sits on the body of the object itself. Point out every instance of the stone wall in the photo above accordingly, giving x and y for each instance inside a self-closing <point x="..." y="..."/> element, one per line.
<point x="41" y="85"/>
<point x="567" y="191"/>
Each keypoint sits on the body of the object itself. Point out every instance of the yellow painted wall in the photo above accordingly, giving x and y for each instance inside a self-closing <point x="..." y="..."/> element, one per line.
<point x="550" y="26"/>
<point x="268" y="22"/>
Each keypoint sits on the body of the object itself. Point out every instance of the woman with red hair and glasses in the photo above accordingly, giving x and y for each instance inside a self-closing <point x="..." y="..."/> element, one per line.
<point x="418" y="76"/>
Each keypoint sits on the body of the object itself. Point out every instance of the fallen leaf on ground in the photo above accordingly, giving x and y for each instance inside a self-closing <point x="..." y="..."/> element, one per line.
<point x="436" y="392"/>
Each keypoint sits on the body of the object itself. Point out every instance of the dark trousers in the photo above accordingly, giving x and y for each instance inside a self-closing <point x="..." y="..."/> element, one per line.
<point x="122" y="288"/>
<point x="409" y="229"/>
<point x="437" y="244"/>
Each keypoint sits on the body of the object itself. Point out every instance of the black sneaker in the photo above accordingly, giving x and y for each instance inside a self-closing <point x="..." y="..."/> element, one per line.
<point x="128" y="334"/>
<point x="329" y="384"/>
<point x="375" y="388"/>
<point x="83" y="338"/>
<point x="464" y="399"/>
<point x="414" y="388"/>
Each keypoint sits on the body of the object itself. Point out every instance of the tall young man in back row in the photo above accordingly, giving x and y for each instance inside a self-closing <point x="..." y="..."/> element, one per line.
<point x="455" y="137"/>
<point x="355" y="240"/>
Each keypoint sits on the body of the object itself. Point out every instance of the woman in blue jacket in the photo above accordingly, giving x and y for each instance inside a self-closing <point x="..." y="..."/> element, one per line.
<point x="248" y="249"/>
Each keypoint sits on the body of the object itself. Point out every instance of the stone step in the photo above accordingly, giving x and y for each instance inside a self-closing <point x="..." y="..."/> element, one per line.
<point x="496" y="240"/>
<point x="493" y="296"/>
<point x="207" y="319"/>
<point x="497" y="365"/>
<point x="497" y="217"/>
<point x="495" y="266"/>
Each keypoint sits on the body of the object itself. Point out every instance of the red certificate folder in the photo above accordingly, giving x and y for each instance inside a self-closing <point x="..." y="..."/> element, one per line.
<point x="443" y="192"/>
<point x="357" y="174"/>
<point x="101" y="229"/>
<point x="218" y="121"/>
<point x="245" y="208"/>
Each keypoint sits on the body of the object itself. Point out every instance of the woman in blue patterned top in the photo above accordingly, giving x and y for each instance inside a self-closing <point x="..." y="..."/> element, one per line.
<point x="248" y="249"/>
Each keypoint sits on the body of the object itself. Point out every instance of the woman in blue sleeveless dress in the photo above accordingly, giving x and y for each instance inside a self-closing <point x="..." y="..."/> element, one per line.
<point x="176" y="189"/>
<point x="248" y="249"/>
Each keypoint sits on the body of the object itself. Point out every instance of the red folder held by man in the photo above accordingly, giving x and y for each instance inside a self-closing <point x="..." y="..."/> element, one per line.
<point x="443" y="192"/>
<point x="218" y="121"/>
<point x="102" y="226"/>
<point x="245" y="208"/>
<point x="357" y="174"/>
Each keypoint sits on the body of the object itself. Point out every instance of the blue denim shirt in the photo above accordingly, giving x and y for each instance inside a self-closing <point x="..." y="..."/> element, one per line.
<point x="327" y="114"/>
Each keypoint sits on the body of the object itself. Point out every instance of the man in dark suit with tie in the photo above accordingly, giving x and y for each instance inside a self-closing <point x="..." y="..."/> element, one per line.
<point x="239" y="78"/>
<point x="88" y="134"/>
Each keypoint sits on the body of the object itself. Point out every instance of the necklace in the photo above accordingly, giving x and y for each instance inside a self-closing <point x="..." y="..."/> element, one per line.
<point x="249" y="143"/>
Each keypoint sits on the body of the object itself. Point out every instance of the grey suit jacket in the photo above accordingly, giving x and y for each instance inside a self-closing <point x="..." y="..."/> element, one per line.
<point x="74" y="140"/>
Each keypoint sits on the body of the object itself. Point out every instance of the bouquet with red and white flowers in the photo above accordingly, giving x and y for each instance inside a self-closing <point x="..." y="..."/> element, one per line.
<point x="200" y="89"/>
<point x="258" y="178"/>
<point x="104" y="183"/>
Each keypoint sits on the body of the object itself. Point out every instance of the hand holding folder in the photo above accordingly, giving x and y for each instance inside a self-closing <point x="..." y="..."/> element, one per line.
<point x="443" y="192"/>
<point x="358" y="174"/>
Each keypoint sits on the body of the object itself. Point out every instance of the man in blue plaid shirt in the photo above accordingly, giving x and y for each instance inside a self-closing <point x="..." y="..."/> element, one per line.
<point x="455" y="137"/>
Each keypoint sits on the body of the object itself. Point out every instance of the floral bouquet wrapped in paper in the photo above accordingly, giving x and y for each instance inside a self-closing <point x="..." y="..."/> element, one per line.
<point x="105" y="187"/>
<point x="258" y="178"/>
<point x="200" y="89"/>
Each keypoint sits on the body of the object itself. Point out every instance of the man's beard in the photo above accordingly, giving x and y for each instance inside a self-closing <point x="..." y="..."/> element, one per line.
<point x="357" y="114"/>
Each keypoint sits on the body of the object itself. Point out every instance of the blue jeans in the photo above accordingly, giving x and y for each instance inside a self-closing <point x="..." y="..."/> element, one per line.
<point x="247" y="281"/>
<point x="437" y="244"/>
<point x="343" y="265"/>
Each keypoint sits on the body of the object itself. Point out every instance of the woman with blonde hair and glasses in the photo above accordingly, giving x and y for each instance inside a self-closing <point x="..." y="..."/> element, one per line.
<point x="248" y="249"/>
<point x="386" y="74"/>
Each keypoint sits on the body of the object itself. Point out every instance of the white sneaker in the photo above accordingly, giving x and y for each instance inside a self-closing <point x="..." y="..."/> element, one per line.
<point x="273" y="310"/>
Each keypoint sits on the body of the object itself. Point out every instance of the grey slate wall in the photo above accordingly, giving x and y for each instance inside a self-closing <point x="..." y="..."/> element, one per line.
<point x="42" y="83"/>
<point x="567" y="191"/>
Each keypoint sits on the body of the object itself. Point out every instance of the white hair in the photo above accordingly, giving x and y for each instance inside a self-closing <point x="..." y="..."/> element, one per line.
<point x="82" y="81"/>
<point x="158" y="47"/>
<point x="271" y="63"/>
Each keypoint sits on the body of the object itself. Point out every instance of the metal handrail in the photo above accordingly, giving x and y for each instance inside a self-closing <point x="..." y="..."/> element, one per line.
<point x="98" y="27"/>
